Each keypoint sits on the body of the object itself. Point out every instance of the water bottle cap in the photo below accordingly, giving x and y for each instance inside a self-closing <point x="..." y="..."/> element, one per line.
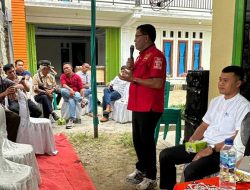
<point x="229" y="141"/>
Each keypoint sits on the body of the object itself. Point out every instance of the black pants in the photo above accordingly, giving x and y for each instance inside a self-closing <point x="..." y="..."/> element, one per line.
<point x="12" y="125"/>
<point x="143" y="125"/>
<point x="33" y="108"/>
<point x="172" y="156"/>
<point x="46" y="102"/>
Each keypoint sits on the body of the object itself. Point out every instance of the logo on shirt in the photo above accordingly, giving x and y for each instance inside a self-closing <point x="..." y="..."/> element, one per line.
<point x="158" y="63"/>
<point x="147" y="56"/>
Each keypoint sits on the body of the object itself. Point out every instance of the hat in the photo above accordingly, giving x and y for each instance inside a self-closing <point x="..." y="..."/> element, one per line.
<point x="45" y="63"/>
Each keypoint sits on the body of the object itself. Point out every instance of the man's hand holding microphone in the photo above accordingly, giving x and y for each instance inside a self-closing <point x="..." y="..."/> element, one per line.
<point x="127" y="74"/>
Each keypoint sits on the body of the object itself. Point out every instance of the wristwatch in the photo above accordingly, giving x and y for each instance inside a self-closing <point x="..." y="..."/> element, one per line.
<point x="212" y="146"/>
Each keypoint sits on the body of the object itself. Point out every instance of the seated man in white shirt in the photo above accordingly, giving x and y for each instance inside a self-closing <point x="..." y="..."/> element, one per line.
<point x="113" y="92"/>
<point x="85" y="76"/>
<point x="222" y="120"/>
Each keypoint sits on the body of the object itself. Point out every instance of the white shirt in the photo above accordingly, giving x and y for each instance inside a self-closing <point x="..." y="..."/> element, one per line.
<point x="85" y="77"/>
<point x="239" y="147"/>
<point x="118" y="85"/>
<point x="224" y="117"/>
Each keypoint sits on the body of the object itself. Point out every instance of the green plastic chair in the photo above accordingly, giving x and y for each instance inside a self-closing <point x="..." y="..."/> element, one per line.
<point x="169" y="116"/>
<point x="54" y="102"/>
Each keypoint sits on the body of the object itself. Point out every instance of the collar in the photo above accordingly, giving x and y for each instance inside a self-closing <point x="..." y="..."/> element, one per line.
<point x="152" y="45"/>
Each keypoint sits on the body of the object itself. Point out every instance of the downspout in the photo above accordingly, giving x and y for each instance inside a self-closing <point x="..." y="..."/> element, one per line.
<point x="3" y="6"/>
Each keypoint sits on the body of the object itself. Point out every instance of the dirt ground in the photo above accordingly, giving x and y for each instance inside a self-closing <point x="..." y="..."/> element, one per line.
<point x="109" y="158"/>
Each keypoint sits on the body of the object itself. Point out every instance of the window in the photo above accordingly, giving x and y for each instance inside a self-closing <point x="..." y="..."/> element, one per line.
<point x="171" y="34"/>
<point x="168" y="51"/>
<point x="186" y="34"/>
<point x="164" y="33"/>
<point x="179" y="34"/>
<point x="196" y="60"/>
<point x="194" y="35"/>
<point x="182" y="58"/>
<point x="201" y="35"/>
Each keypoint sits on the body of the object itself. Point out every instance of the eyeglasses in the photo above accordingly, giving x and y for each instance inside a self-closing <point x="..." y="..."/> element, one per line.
<point x="138" y="35"/>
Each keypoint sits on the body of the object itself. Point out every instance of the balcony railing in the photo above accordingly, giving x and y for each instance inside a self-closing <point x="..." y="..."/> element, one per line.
<point x="197" y="5"/>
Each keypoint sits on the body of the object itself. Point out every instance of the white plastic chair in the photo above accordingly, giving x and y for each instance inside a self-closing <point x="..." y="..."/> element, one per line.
<point x="65" y="110"/>
<point x="14" y="176"/>
<point x="35" y="131"/>
<point x="120" y="112"/>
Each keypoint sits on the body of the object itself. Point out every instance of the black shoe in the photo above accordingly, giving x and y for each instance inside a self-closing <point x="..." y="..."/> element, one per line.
<point x="77" y="121"/>
<point x="55" y="116"/>
<point x="99" y="102"/>
<point x="70" y="124"/>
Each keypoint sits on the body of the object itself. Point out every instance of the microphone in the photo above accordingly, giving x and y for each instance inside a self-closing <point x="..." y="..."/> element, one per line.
<point x="132" y="48"/>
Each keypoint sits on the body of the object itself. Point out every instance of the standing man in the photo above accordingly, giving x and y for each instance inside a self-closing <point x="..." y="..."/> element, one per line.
<point x="146" y="99"/>
<point x="72" y="91"/>
<point x="86" y="78"/>
<point x="221" y="121"/>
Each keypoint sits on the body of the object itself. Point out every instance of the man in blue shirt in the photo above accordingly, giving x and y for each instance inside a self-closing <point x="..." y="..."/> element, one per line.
<point x="20" y="69"/>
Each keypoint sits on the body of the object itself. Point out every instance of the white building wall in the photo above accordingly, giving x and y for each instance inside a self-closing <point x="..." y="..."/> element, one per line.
<point x="127" y="39"/>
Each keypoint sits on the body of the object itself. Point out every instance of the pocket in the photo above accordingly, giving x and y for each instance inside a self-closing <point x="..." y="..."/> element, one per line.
<point x="229" y="122"/>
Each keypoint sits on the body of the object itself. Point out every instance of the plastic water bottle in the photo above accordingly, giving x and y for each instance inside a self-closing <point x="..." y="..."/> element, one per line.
<point x="227" y="166"/>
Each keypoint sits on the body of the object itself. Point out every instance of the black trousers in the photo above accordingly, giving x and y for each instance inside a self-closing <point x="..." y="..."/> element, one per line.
<point x="12" y="125"/>
<point x="33" y="108"/>
<point x="46" y="102"/>
<point x="143" y="126"/>
<point x="172" y="156"/>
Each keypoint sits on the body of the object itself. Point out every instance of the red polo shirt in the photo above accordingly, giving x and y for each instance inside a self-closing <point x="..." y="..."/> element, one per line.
<point x="74" y="82"/>
<point x="151" y="63"/>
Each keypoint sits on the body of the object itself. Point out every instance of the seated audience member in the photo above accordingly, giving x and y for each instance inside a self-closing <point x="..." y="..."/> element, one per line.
<point x="44" y="84"/>
<point x="86" y="85"/>
<point x="13" y="104"/>
<point x="242" y="140"/>
<point x="72" y="91"/>
<point x="222" y="120"/>
<point x="19" y="65"/>
<point x="113" y="92"/>
<point x="8" y="88"/>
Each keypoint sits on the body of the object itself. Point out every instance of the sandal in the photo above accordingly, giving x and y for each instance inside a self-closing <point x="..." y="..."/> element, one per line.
<point x="104" y="119"/>
<point x="84" y="102"/>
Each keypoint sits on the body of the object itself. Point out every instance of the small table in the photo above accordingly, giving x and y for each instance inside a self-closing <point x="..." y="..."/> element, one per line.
<point x="211" y="181"/>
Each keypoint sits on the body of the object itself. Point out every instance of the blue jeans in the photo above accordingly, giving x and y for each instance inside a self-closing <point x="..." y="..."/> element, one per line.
<point x="73" y="100"/>
<point x="88" y="94"/>
<point x="109" y="95"/>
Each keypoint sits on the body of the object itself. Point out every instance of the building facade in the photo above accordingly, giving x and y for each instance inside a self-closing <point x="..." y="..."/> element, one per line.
<point x="60" y="31"/>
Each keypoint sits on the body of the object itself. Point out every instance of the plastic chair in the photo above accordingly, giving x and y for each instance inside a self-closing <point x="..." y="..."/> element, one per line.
<point x="35" y="131"/>
<point x="120" y="112"/>
<point x="169" y="116"/>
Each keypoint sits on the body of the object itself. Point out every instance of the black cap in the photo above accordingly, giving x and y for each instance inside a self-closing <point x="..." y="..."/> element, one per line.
<point x="45" y="63"/>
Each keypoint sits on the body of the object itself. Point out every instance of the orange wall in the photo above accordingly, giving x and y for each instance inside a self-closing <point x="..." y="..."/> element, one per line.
<point x="19" y="31"/>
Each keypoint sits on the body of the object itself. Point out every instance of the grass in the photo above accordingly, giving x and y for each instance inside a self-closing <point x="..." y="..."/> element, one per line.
<point x="125" y="139"/>
<point x="77" y="139"/>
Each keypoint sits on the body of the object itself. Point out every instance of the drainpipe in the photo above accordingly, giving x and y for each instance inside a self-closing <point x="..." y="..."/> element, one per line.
<point x="3" y="6"/>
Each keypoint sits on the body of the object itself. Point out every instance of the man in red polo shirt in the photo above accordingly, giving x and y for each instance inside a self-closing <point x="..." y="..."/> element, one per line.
<point x="72" y="91"/>
<point x="146" y="99"/>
